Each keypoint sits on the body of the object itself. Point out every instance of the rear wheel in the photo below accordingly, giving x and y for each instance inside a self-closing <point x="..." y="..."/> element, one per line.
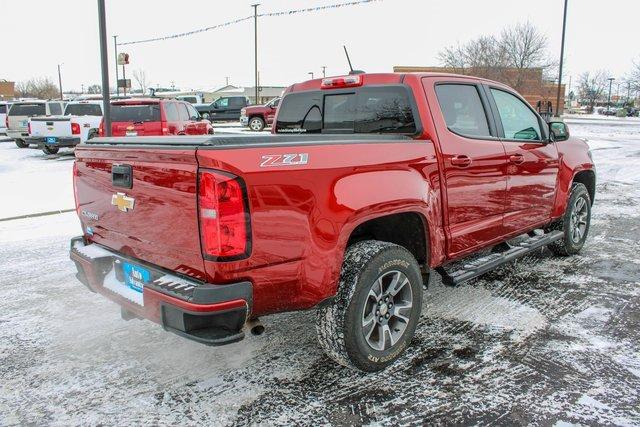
<point x="256" y="124"/>
<point x="374" y="315"/>
<point x="20" y="143"/>
<point x="50" y="150"/>
<point x="574" y="223"/>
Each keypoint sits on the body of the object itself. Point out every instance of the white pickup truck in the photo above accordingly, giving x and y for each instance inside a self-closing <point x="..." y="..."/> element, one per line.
<point x="79" y="123"/>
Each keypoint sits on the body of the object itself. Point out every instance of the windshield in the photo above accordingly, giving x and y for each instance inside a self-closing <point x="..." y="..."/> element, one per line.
<point x="135" y="113"/>
<point x="27" y="110"/>
<point x="373" y="109"/>
<point x="83" y="110"/>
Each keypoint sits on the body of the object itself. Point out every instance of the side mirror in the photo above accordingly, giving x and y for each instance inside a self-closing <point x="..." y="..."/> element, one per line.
<point x="558" y="131"/>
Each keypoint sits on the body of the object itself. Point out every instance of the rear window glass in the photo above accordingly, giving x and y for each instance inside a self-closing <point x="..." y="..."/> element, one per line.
<point x="83" y="110"/>
<point x="383" y="109"/>
<point x="135" y="113"/>
<point x="55" y="109"/>
<point x="3" y="109"/>
<point x="27" y="110"/>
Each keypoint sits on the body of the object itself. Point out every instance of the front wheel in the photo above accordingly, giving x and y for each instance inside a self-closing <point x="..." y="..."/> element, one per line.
<point x="256" y="124"/>
<point x="374" y="315"/>
<point x="21" y="144"/>
<point x="574" y="223"/>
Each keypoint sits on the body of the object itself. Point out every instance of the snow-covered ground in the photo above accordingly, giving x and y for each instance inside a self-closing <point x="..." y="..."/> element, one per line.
<point x="545" y="341"/>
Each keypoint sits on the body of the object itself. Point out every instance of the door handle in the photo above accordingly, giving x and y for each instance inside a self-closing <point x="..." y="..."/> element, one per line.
<point x="516" y="159"/>
<point x="461" y="161"/>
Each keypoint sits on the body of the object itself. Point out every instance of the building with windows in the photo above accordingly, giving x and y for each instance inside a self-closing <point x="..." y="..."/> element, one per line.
<point x="529" y="82"/>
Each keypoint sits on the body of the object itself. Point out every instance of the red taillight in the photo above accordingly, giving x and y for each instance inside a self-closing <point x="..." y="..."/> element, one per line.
<point x="101" y="128"/>
<point x="75" y="186"/>
<point x="75" y="128"/>
<point x="339" y="82"/>
<point x="224" y="216"/>
<point x="29" y="127"/>
<point x="164" y="128"/>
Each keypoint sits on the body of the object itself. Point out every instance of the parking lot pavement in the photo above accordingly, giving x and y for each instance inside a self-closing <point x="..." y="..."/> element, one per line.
<point x="544" y="341"/>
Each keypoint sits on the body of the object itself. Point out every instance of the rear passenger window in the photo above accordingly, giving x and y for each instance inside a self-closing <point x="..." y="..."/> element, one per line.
<point x="183" y="113"/>
<point x="462" y="109"/>
<point x="171" y="112"/>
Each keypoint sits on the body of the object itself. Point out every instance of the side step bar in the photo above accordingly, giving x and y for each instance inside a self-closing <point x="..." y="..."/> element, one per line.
<point x="472" y="269"/>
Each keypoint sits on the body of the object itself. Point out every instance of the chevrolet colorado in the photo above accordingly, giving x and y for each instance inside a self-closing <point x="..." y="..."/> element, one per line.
<point x="368" y="185"/>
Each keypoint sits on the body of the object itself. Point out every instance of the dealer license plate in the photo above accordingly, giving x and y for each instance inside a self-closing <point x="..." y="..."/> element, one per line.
<point x="51" y="139"/>
<point x="131" y="133"/>
<point x="135" y="277"/>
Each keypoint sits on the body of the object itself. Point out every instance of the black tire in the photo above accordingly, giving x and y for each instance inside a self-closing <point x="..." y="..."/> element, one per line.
<point x="339" y="324"/>
<point x="256" y="124"/>
<point x="572" y="242"/>
<point x="92" y="134"/>
<point x="50" y="150"/>
<point x="21" y="143"/>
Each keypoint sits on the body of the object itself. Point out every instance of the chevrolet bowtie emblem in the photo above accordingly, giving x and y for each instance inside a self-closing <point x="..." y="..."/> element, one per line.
<point x="122" y="201"/>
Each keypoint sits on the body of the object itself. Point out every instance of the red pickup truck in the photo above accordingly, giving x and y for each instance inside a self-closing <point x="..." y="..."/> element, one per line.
<point x="256" y="117"/>
<point x="369" y="185"/>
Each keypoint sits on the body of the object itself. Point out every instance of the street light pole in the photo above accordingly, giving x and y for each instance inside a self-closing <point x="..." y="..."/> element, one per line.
<point x="104" y="63"/>
<point x="115" y="48"/>
<point x="324" y="71"/>
<point x="60" y="81"/>
<point x="255" y="58"/>
<point x="564" y="28"/>
<point x="611" y="79"/>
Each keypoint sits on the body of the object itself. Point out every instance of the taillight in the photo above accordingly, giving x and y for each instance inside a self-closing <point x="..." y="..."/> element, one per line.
<point x="339" y="82"/>
<point x="29" y="127"/>
<point x="6" y="121"/>
<point x="101" y="128"/>
<point x="75" y="187"/>
<point x="164" y="128"/>
<point x="225" y="228"/>
<point x="75" y="128"/>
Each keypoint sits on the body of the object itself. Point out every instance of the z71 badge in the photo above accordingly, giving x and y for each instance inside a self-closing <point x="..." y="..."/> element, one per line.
<point x="272" y="160"/>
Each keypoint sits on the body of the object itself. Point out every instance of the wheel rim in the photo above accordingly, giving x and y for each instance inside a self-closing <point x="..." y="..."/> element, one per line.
<point x="579" y="219"/>
<point x="255" y="124"/>
<point x="387" y="310"/>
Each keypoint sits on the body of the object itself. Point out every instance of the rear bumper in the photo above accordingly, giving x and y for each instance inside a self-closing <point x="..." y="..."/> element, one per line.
<point x="65" y="141"/>
<point x="17" y="134"/>
<point x="203" y="312"/>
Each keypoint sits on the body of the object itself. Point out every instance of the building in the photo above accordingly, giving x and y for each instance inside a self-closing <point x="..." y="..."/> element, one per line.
<point x="529" y="82"/>
<point x="7" y="89"/>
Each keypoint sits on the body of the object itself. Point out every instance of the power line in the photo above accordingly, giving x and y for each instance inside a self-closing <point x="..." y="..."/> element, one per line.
<point x="246" y="18"/>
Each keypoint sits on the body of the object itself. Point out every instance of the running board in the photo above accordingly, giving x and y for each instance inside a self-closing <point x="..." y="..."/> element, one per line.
<point x="472" y="269"/>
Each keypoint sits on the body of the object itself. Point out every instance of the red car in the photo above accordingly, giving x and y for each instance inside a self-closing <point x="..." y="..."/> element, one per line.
<point x="368" y="185"/>
<point x="155" y="117"/>
<point x="256" y="117"/>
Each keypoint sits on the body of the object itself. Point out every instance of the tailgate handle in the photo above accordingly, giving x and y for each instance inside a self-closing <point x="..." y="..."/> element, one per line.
<point x="122" y="176"/>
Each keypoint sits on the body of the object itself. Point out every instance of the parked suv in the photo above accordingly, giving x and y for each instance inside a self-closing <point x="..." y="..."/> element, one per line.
<point x="18" y="117"/>
<point x="225" y="108"/>
<point x="259" y="116"/>
<point x="155" y="117"/>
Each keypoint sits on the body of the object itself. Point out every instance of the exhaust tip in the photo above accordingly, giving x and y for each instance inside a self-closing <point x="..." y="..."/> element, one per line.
<point x="255" y="326"/>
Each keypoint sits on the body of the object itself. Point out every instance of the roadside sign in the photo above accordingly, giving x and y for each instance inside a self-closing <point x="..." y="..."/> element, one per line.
<point x="123" y="58"/>
<point x="124" y="83"/>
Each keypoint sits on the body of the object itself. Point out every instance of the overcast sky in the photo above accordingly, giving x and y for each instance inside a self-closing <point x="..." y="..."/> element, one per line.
<point x="39" y="34"/>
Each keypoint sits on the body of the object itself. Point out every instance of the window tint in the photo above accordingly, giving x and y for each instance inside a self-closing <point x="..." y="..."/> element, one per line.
<point x="55" y="108"/>
<point x="463" y="110"/>
<point x="171" y="112"/>
<point x="27" y="110"/>
<point x="518" y="121"/>
<point x="83" y="110"/>
<point x="237" y="102"/>
<point x="182" y="112"/>
<point x="3" y="108"/>
<point x="222" y="102"/>
<point x="135" y="113"/>
<point x="366" y="110"/>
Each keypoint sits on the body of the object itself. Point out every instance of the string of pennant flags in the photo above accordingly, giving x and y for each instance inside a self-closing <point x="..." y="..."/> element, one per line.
<point x="246" y="18"/>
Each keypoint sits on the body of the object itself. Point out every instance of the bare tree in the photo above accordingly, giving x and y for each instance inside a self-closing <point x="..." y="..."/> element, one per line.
<point x="41" y="87"/>
<point x="592" y="86"/>
<point x="95" y="88"/>
<point x="140" y="77"/>
<point x="523" y="46"/>
<point x="634" y="77"/>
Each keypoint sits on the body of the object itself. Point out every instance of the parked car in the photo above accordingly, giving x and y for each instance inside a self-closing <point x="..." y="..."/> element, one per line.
<point x="155" y="117"/>
<point x="191" y="99"/>
<point x="368" y="185"/>
<point x="79" y="123"/>
<point x="20" y="112"/>
<point x="225" y="108"/>
<point x="256" y="117"/>
<point x="4" y="107"/>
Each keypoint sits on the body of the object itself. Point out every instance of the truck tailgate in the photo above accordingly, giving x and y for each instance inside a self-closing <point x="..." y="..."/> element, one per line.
<point x="157" y="220"/>
<point x="50" y="126"/>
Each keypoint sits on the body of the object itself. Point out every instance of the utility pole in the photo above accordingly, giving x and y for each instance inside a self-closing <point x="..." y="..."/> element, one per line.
<point x="611" y="79"/>
<point x="311" y="74"/>
<point x="255" y="59"/>
<point x="60" y="81"/>
<point x="324" y="71"/>
<point x="104" y="63"/>
<point x="115" y="59"/>
<point x="226" y="79"/>
<point x="564" y="28"/>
